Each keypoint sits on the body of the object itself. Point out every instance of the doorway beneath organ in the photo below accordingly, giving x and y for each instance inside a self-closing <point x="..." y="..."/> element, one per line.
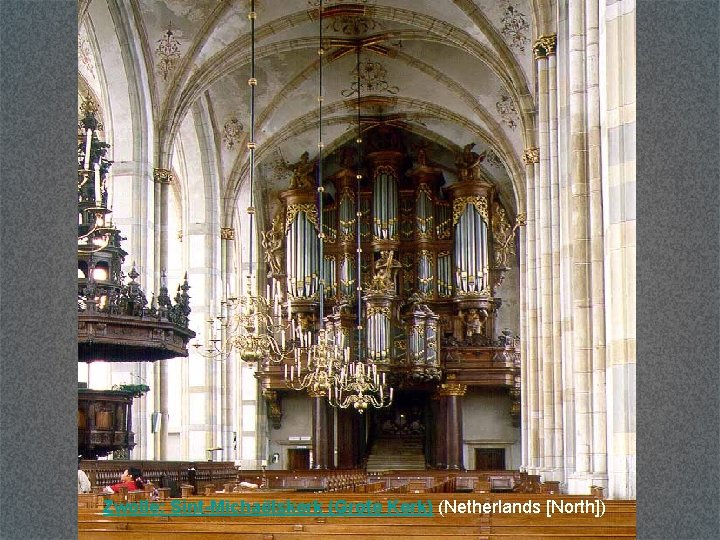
<point x="399" y="437"/>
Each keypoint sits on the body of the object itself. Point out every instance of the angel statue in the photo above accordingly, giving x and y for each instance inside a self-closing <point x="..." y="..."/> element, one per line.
<point x="272" y="241"/>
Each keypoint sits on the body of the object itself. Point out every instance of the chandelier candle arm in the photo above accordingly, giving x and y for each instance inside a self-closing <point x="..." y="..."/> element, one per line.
<point x="88" y="145"/>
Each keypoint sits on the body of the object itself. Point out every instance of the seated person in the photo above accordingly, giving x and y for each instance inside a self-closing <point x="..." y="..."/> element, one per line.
<point x="83" y="480"/>
<point x="131" y="479"/>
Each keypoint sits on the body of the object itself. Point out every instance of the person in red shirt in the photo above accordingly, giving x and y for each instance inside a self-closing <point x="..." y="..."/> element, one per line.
<point x="131" y="478"/>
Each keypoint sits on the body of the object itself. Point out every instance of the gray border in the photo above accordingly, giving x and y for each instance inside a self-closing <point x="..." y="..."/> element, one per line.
<point x="677" y="254"/>
<point x="38" y="328"/>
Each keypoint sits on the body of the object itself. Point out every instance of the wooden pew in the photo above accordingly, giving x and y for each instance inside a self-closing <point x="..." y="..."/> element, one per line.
<point x="618" y="522"/>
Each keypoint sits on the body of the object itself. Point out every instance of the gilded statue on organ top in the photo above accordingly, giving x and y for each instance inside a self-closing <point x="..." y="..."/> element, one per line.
<point x="468" y="163"/>
<point x="303" y="177"/>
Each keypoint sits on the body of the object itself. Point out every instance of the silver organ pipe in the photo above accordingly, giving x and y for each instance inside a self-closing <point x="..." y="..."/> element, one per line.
<point x="471" y="251"/>
<point x="385" y="204"/>
<point x="290" y="250"/>
<point x="303" y="264"/>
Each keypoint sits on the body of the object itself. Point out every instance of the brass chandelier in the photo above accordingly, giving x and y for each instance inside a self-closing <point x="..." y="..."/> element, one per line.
<point x="331" y="368"/>
<point x="254" y="325"/>
<point x="267" y="330"/>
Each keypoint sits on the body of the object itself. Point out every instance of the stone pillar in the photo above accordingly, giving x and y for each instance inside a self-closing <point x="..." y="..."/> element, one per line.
<point x="162" y="179"/>
<point x="545" y="296"/>
<point x="549" y="260"/>
<point x="617" y="49"/>
<point x="530" y="390"/>
<point x="579" y="480"/>
<point x="227" y="369"/>
<point x="321" y="431"/>
<point x="598" y="458"/>
<point x="558" y="433"/>
<point x="451" y="393"/>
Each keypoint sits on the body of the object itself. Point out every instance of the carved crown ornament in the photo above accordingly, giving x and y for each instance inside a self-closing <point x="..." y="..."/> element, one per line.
<point x="544" y="46"/>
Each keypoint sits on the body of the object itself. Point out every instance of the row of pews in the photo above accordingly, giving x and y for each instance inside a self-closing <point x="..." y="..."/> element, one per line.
<point x="617" y="522"/>
<point x="349" y="496"/>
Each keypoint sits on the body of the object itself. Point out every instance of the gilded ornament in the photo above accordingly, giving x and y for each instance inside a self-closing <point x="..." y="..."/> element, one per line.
<point x="386" y="269"/>
<point x="227" y="233"/>
<point x="468" y="163"/>
<point x="503" y="234"/>
<point x="88" y="106"/>
<point x="452" y="389"/>
<point x="531" y="155"/>
<point x="544" y="46"/>
<point x="378" y="310"/>
<point x="479" y="202"/>
<point x="272" y="241"/>
<point x="162" y="176"/>
<point x="303" y="177"/>
<point x="309" y="209"/>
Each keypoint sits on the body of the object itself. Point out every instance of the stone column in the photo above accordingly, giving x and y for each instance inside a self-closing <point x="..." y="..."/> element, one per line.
<point x="558" y="433"/>
<point x="543" y="231"/>
<point x="530" y="379"/>
<point x="578" y="481"/>
<point x="617" y="54"/>
<point x="162" y="178"/>
<point x="451" y="393"/>
<point x="227" y="368"/>
<point x="321" y="434"/>
<point x="597" y="279"/>
<point x="548" y="233"/>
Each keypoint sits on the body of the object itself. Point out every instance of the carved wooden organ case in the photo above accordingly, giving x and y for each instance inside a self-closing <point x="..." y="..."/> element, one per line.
<point x="432" y="259"/>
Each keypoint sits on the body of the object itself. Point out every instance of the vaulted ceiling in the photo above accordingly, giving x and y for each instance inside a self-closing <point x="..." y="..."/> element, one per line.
<point x="447" y="72"/>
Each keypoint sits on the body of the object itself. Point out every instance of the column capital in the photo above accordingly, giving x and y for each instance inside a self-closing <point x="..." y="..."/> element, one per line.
<point x="452" y="389"/>
<point x="317" y="393"/>
<point x="162" y="176"/>
<point x="544" y="46"/>
<point x="531" y="155"/>
<point x="227" y="233"/>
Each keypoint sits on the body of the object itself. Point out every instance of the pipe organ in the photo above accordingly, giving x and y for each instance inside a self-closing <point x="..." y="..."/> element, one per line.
<point x="432" y="255"/>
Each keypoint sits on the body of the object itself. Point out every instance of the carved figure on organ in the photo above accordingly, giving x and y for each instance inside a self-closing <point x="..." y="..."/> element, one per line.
<point x="303" y="177"/>
<point x="474" y="319"/>
<point x="422" y="157"/>
<point x="468" y="163"/>
<point x="386" y="269"/>
<point x="503" y="236"/>
<point x="347" y="158"/>
<point x="306" y="321"/>
<point x="272" y="241"/>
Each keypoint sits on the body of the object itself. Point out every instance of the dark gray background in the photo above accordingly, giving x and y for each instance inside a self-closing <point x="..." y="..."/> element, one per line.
<point x="677" y="256"/>
<point x="38" y="269"/>
<point x="678" y="282"/>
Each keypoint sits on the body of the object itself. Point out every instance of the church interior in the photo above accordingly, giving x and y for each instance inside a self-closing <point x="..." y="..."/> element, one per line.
<point x="329" y="243"/>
